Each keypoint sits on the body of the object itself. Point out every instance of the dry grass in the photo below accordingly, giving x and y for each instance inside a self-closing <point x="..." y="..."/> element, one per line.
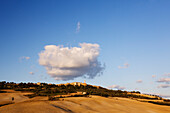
<point x="96" y="104"/>
<point x="18" y="96"/>
<point x="3" y="103"/>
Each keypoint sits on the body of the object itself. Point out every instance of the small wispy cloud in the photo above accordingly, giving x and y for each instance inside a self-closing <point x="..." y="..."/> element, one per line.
<point x="164" y="86"/>
<point x="78" y="27"/>
<point x="139" y="81"/>
<point x="116" y="87"/>
<point x="34" y="68"/>
<point x="164" y="96"/>
<point x="167" y="74"/>
<point x="167" y="80"/>
<point x="161" y="95"/>
<point x="153" y="76"/>
<point x="24" y="58"/>
<point x="126" y="65"/>
<point x="31" y="73"/>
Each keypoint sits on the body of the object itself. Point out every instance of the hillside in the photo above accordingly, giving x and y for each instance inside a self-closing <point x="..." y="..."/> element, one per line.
<point x="95" y="104"/>
<point x="75" y="98"/>
<point x="44" y="89"/>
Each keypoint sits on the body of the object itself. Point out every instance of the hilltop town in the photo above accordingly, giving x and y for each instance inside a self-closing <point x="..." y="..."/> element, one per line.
<point x="66" y="84"/>
<point x="48" y="89"/>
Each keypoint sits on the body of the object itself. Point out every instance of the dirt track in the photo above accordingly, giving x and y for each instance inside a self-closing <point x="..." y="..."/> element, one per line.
<point x="95" y="104"/>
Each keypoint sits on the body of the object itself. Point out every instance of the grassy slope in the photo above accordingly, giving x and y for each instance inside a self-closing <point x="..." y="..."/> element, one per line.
<point x="83" y="104"/>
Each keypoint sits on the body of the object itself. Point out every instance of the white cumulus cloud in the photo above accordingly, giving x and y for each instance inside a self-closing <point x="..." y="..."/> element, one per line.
<point x="64" y="63"/>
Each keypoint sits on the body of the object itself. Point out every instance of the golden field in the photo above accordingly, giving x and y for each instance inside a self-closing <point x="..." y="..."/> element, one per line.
<point x="93" y="104"/>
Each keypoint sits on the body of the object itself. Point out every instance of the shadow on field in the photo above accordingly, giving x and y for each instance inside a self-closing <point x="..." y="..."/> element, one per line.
<point x="64" y="109"/>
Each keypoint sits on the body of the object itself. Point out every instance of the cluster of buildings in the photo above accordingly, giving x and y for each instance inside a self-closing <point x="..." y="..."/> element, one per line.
<point x="73" y="83"/>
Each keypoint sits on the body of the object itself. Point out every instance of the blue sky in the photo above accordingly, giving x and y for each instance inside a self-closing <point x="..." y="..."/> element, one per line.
<point x="135" y="32"/>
